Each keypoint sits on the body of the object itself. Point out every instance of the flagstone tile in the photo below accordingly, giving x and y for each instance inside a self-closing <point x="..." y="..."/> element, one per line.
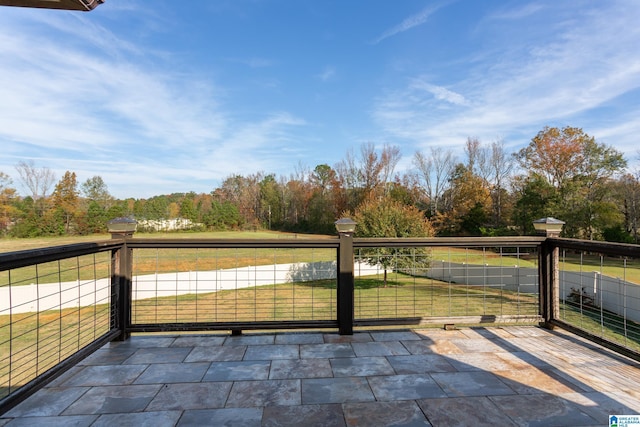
<point x="406" y="414"/>
<point x="420" y="364"/>
<point x="300" y="368"/>
<point x="264" y="393"/>
<point x="336" y="390"/>
<point x="474" y="383"/>
<point x="186" y="396"/>
<point x="238" y="371"/>
<point x="464" y="412"/>
<point x="329" y="415"/>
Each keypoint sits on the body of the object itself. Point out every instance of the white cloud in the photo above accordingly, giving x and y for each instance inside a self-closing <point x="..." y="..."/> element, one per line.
<point x="143" y="122"/>
<point x="521" y="88"/>
<point x="410" y="22"/>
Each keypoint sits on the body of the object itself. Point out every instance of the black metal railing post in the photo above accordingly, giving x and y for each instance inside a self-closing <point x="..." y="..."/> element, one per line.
<point x="544" y="263"/>
<point x="549" y="274"/>
<point x="122" y="268"/>
<point x="345" y="303"/>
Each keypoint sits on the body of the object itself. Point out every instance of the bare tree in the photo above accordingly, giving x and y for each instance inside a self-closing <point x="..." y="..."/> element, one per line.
<point x="37" y="180"/>
<point x="389" y="159"/>
<point x="434" y="171"/>
<point x="501" y="165"/>
<point x="478" y="159"/>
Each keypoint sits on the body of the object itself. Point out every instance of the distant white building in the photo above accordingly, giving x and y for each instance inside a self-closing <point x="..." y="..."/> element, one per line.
<point x="174" y="224"/>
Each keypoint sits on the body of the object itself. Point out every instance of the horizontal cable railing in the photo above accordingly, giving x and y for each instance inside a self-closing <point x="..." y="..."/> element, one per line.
<point x="599" y="290"/>
<point x="447" y="281"/>
<point x="233" y="284"/>
<point x="54" y="304"/>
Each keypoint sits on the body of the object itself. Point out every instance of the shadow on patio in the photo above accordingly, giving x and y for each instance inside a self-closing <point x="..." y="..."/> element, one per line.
<point x="473" y="376"/>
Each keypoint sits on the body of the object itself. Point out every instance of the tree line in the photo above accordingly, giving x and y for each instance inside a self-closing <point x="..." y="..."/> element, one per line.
<point x="484" y="190"/>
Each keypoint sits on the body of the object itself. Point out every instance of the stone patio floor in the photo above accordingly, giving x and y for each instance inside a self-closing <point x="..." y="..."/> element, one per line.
<point x="512" y="376"/>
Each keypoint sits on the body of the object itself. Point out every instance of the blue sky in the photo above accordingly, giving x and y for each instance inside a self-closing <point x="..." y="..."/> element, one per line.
<point x="171" y="96"/>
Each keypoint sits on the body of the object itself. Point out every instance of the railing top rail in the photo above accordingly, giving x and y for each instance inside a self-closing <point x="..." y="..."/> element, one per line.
<point x="17" y="259"/>
<point x="509" y="241"/>
<point x="606" y="248"/>
<point x="145" y="243"/>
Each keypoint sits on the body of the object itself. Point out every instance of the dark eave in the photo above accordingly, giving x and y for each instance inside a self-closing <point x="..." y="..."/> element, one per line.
<point x="84" y="5"/>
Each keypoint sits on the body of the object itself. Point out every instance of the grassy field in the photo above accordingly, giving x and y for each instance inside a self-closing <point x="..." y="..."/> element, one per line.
<point x="10" y="245"/>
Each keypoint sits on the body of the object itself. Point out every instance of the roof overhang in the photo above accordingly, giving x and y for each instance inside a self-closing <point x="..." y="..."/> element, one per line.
<point x="84" y="5"/>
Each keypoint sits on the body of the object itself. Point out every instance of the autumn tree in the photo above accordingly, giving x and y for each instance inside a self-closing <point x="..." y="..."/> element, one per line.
<point x="386" y="217"/>
<point x="579" y="168"/>
<point x="65" y="198"/>
<point x="466" y="204"/>
<point x="8" y="211"/>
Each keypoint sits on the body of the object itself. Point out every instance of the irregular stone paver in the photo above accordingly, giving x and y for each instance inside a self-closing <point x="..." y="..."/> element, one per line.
<point x="190" y="396"/>
<point x="236" y="417"/>
<point x="105" y="375"/>
<point x="420" y="364"/>
<point x="405" y="387"/>
<point x="47" y="402"/>
<point x="304" y="415"/>
<point x="114" y="399"/>
<point x="385" y="414"/>
<point x="156" y="419"/>
<point x="479" y="383"/>
<point x="216" y="354"/>
<point x="158" y="355"/>
<point x="264" y="393"/>
<point x="360" y="366"/>
<point x="300" y="368"/>
<point x="271" y="352"/>
<point x="238" y="371"/>
<point x="326" y="350"/>
<point x="163" y="373"/>
<point x="464" y="412"/>
<point x="543" y="410"/>
<point x="385" y="348"/>
<point x="336" y="390"/>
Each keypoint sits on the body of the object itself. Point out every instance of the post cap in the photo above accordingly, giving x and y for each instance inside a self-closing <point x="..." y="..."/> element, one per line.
<point x="548" y="225"/>
<point x="122" y="225"/>
<point x="345" y="225"/>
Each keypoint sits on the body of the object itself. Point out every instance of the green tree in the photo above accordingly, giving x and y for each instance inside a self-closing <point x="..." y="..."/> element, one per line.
<point x="94" y="189"/>
<point x="386" y="217"/>
<point x="535" y="198"/>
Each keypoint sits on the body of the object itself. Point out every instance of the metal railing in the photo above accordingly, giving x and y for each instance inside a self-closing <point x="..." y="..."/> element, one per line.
<point x="62" y="303"/>
<point x="597" y="292"/>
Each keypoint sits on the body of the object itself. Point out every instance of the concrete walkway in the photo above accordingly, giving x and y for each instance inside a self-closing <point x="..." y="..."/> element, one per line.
<point x="515" y="376"/>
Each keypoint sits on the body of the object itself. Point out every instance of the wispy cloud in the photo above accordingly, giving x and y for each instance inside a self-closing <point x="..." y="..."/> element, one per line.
<point x="557" y="81"/>
<point x="327" y="73"/>
<point x="121" y="113"/>
<point x="440" y="93"/>
<point x="410" y="22"/>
